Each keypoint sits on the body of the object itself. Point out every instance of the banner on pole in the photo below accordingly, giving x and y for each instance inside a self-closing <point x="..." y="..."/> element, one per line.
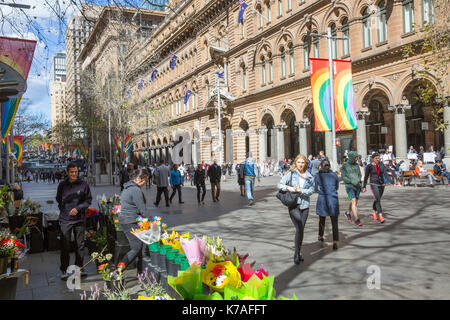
<point x="320" y="87"/>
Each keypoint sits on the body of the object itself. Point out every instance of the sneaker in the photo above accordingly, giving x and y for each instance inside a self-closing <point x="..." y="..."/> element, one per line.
<point x="381" y="218"/>
<point x="358" y="223"/>
<point x="64" y="275"/>
<point x="203" y="202"/>
<point x="335" y="247"/>
<point x="181" y="202"/>
<point x="348" y="216"/>
<point x="374" y="215"/>
<point x="250" y="203"/>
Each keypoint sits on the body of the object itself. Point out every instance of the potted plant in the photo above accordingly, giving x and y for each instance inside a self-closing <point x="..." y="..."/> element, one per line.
<point x="10" y="249"/>
<point x="114" y="278"/>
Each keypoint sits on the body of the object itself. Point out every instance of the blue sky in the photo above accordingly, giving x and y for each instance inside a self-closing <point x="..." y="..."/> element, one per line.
<point x="46" y="23"/>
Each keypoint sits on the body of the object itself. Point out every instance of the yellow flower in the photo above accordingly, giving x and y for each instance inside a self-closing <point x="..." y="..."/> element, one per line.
<point x="219" y="275"/>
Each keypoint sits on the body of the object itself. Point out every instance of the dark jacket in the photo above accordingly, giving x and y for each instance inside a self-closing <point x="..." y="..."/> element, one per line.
<point x="214" y="173"/>
<point x="132" y="201"/>
<point x="376" y="175"/>
<point x="124" y="176"/>
<point x="315" y="165"/>
<point x="73" y="195"/>
<point x="438" y="170"/>
<point x="350" y="172"/>
<point x="199" y="177"/>
<point x="327" y="185"/>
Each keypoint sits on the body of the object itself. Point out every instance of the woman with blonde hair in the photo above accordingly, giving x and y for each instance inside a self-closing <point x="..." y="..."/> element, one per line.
<point x="299" y="181"/>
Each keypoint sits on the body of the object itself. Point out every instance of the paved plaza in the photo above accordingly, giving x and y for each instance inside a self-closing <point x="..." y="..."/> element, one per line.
<point x="410" y="249"/>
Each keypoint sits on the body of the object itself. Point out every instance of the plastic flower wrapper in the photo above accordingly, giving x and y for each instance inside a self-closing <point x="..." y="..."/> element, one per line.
<point x="294" y="297"/>
<point x="254" y="288"/>
<point x="214" y="250"/>
<point x="174" y="239"/>
<point x="219" y="275"/>
<point x="149" y="236"/>
<point x="164" y="297"/>
<point x="213" y="296"/>
<point x="188" y="284"/>
<point x="246" y="271"/>
<point x="194" y="250"/>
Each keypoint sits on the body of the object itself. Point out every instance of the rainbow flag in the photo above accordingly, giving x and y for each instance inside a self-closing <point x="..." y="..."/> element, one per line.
<point x="124" y="145"/>
<point x="8" y="113"/>
<point x="344" y="106"/>
<point x="18" y="145"/>
<point x="345" y="116"/>
<point x="320" y="86"/>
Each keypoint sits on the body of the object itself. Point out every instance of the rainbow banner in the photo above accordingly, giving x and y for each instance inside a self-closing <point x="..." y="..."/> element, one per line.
<point x="18" y="145"/>
<point x="124" y="145"/>
<point x="344" y="106"/>
<point x="17" y="54"/>
<point x="8" y="113"/>
<point x="345" y="116"/>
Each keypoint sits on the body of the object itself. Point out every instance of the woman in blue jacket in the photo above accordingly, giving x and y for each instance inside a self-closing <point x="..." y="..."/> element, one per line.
<point x="302" y="183"/>
<point x="176" y="181"/>
<point x="327" y="185"/>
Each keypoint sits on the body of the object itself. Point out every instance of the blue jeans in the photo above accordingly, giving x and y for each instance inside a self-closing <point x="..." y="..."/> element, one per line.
<point x="249" y="185"/>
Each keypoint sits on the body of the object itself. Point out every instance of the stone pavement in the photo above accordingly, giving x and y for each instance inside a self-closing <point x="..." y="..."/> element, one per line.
<point x="410" y="249"/>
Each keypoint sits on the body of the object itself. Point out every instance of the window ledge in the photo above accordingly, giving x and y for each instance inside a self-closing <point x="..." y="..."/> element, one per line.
<point x="268" y="22"/>
<point x="270" y="82"/>
<point x="366" y="49"/>
<point x="263" y="85"/>
<point x="405" y="35"/>
<point x="283" y="78"/>
<point x="279" y="16"/>
<point x="291" y="75"/>
<point x="381" y="43"/>
<point x="289" y="10"/>
<point x="306" y="70"/>
<point x="345" y="56"/>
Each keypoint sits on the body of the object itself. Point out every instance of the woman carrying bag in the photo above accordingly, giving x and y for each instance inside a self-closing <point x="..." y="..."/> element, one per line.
<point x="132" y="201"/>
<point x="327" y="185"/>
<point x="299" y="183"/>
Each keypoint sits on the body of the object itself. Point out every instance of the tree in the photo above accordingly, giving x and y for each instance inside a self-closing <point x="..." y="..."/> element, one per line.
<point x="434" y="46"/>
<point x="28" y="124"/>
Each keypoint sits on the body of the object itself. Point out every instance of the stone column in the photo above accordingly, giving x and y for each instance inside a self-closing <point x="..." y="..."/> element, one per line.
<point x="262" y="133"/>
<point x="361" y="136"/>
<point x="273" y="144"/>
<point x="446" y="159"/>
<point x="194" y="153"/>
<point x="280" y="142"/>
<point x="229" y="145"/>
<point x="169" y="154"/>
<point x="400" y="129"/>
<point x="302" y="136"/>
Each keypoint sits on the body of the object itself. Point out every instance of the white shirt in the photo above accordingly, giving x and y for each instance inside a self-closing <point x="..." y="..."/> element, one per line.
<point x="301" y="179"/>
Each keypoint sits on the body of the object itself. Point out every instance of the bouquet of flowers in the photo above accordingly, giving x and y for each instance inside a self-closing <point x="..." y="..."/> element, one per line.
<point x="174" y="239"/>
<point x="9" y="246"/>
<point x="108" y="275"/>
<point x="194" y="250"/>
<point x="149" y="231"/>
<point x="214" y="249"/>
<point x="219" y="275"/>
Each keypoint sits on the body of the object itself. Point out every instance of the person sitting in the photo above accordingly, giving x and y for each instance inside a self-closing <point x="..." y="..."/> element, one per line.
<point x="388" y="175"/>
<point x="441" y="170"/>
<point x="421" y="172"/>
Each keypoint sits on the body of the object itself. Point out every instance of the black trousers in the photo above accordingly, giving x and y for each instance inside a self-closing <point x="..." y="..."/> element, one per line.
<point x="377" y="192"/>
<point x="174" y="191"/>
<point x="334" y="223"/>
<point x="135" y="246"/>
<point x="66" y="230"/>
<point x="299" y="217"/>
<point x="161" y="190"/>
<point x="203" y="188"/>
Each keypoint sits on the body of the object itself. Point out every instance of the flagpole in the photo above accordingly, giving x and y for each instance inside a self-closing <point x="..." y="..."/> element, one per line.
<point x="333" y="124"/>
<point x="13" y="173"/>
<point x="219" y="118"/>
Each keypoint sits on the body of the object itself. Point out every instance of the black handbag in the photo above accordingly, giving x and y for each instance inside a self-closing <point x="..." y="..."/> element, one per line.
<point x="289" y="199"/>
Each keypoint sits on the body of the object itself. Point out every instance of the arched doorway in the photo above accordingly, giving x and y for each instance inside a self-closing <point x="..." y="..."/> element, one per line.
<point x="196" y="150"/>
<point x="291" y="142"/>
<point x="316" y="140"/>
<point x="158" y="151"/>
<point x="244" y="126"/>
<point x="269" y="123"/>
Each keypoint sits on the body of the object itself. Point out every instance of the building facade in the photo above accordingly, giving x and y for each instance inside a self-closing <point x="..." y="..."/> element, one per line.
<point x="266" y="103"/>
<point x="58" y="69"/>
<point x="58" y="108"/>
<point x="77" y="32"/>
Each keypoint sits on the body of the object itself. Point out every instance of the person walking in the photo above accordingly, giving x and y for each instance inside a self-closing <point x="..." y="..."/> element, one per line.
<point x="191" y="174"/>
<point x="240" y="178"/>
<point x="133" y="205"/>
<point x="161" y="175"/>
<point x="351" y="174"/>
<point x="375" y="171"/>
<point x="73" y="197"/>
<point x="298" y="180"/>
<point x="250" y="173"/>
<point x="125" y="175"/>
<point x="176" y="181"/>
<point x="199" y="181"/>
<point x="326" y="183"/>
<point x="215" y="174"/>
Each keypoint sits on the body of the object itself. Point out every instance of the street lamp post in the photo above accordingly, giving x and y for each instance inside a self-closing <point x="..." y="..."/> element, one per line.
<point x="330" y="38"/>
<point x="16" y="5"/>
<point x="219" y="118"/>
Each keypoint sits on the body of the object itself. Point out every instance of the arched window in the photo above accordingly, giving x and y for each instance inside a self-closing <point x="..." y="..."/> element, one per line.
<point x="334" y="41"/>
<point x="345" y="42"/>
<point x="382" y="24"/>
<point x="269" y="17"/>
<point x="244" y="77"/>
<point x="289" y="5"/>
<point x="367" y="37"/>
<point x="260" y="15"/>
<point x="316" y="47"/>
<point x="280" y="7"/>
<point x="305" y="53"/>
<point x="427" y="12"/>
<point x="291" y="59"/>
<point x="408" y="16"/>
<point x="283" y="62"/>
<point x="263" y="71"/>
<point x="270" y="68"/>
<point x="242" y="28"/>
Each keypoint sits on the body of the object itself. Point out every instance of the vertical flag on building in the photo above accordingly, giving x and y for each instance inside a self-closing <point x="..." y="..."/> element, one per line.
<point x="140" y="84"/>
<point x="18" y="145"/>
<point x="154" y="72"/>
<point x="173" y="61"/>
<point x="320" y="86"/>
<point x="187" y="94"/>
<point x="343" y="96"/>
<point x="220" y="75"/>
<point x="242" y="7"/>
<point x="8" y="113"/>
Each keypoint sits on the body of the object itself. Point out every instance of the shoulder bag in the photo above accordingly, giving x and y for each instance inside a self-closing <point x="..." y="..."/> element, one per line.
<point x="288" y="198"/>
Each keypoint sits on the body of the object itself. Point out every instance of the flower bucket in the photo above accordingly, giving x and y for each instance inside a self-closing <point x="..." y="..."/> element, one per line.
<point x="115" y="285"/>
<point x="4" y="264"/>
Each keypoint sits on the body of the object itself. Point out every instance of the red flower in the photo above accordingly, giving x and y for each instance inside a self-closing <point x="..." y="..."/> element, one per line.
<point x="18" y="244"/>
<point x="218" y="270"/>
<point x="121" y="265"/>
<point x="102" y="266"/>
